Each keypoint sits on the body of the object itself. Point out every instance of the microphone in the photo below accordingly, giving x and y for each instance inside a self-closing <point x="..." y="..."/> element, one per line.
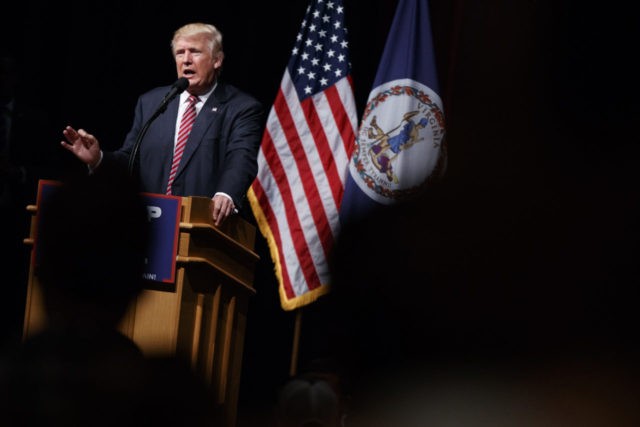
<point x="177" y="88"/>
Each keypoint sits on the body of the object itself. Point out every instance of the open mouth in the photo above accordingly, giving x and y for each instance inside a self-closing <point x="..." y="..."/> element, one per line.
<point x="188" y="73"/>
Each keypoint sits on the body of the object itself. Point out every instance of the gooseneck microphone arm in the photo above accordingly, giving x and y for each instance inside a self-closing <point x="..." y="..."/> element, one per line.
<point x="176" y="89"/>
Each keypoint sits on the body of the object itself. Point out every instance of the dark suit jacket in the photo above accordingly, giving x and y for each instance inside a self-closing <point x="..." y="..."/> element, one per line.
<point x="220" y="155"/>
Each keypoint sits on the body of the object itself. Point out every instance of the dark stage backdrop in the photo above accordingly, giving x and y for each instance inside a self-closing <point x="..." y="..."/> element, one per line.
<point x="538" y="95"/>
<point x="85" y="65"/>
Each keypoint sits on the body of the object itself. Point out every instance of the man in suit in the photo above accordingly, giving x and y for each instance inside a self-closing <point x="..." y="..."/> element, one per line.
<point x="219" y="159"/>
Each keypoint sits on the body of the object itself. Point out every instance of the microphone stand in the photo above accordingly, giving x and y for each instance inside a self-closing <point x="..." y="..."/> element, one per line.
<point x="178" y="87"/>
<point x="136" y="146"/>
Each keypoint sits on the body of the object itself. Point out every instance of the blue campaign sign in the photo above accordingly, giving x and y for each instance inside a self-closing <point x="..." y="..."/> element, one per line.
<point x="164" y="219"/>
<point x="163" y="213"/>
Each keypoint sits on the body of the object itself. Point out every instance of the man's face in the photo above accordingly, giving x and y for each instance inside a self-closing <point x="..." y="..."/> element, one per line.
<point x="195" y="61"/>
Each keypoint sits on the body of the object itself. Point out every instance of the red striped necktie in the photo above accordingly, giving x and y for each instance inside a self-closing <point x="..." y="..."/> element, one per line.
<point x="188" y="117"/>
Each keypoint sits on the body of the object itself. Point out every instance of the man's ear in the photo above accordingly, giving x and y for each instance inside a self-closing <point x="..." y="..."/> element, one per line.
<point x="217" y="62"/>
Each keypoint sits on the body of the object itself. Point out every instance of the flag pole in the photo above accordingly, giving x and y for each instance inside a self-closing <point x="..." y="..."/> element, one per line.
<point x="296" y="343"/>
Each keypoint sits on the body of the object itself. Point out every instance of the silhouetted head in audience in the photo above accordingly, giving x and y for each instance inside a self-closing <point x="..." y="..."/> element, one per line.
<point x="91" y="247"/>
<point x="81" y="370"/>
<point x="306" y="401"/>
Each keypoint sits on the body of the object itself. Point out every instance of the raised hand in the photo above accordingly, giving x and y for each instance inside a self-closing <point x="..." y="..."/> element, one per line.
<point x="84" y="145"/>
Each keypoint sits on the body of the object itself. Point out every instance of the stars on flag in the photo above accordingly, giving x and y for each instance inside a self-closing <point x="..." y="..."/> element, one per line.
<point x="319" y="57"/>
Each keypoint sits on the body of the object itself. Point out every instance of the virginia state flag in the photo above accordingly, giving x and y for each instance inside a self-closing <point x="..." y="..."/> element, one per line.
<point x="400" y="146"/>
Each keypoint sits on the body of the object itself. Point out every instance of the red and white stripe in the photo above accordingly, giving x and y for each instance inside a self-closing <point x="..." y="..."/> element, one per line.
<point x="188" y="117"/>
<point x="303" y="164"/>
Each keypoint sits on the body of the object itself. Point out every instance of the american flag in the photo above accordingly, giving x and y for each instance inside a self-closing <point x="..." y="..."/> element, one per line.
<point x="304" y="156"/>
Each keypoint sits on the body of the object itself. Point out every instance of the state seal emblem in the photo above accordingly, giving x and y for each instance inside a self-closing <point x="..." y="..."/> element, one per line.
<point x="400" y="143"/>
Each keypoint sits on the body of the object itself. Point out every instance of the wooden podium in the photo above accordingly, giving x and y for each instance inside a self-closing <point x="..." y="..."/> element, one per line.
<point x="202" y="316"/>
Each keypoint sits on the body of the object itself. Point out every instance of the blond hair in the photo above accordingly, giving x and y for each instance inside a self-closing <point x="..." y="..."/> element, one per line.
<point x="213" y="35"/>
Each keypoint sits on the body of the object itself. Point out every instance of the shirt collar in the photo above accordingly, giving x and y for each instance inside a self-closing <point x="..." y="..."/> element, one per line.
<point x="203" y="98"/>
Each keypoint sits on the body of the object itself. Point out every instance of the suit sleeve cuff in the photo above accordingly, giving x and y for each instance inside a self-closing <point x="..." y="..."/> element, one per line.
<point x="91" y="169"/>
